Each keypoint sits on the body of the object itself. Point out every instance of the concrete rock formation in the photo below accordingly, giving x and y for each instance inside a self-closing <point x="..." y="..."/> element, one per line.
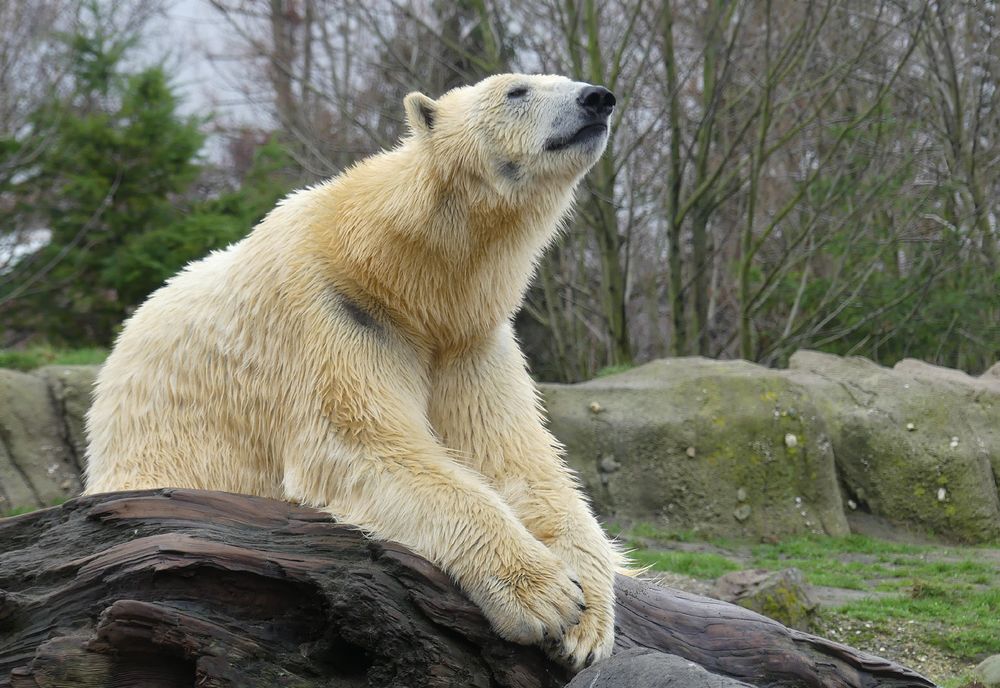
<point x="41" y="435"/>
<point x="732" y="448"/>
<point x="721" y="447"/>
<point x="641" y="667"/>
<point x="988" y="671"/>
<point x="916" y="444"/>
<point x="780" y="595"/>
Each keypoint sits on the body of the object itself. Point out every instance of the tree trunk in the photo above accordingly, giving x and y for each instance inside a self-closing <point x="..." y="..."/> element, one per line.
<point x="190" y="588"/>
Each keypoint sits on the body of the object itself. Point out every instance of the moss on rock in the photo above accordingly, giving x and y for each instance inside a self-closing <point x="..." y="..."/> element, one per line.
<point x="779" y="595"/>
<point x="917" y="445"/>
<point x="693" y="444"/>
<point x="37" y="467"/>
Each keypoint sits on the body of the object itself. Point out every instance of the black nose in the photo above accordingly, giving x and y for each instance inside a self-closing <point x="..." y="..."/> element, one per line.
<point x="597" y="99"/>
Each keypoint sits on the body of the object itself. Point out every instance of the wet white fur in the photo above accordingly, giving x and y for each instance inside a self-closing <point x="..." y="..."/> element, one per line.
<point x="355" y="353"/>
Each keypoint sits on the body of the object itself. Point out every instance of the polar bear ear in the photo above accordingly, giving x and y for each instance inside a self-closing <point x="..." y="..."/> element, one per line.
<point x="421" y="113"/>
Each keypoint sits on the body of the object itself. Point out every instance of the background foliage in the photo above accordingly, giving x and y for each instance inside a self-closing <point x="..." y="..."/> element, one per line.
<point x="782" y="175"/>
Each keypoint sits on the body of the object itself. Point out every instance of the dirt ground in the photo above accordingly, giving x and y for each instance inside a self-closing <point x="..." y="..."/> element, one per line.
<point x="903" y="641"/>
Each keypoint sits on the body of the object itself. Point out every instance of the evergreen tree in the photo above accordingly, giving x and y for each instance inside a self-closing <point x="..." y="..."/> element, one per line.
<point x="117" y="153"/>
<point x="113" y="187"/>
<point x="148" y="258"/>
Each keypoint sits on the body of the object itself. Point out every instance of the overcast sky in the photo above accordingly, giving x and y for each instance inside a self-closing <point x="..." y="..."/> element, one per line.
<point x="187" y="36"/>
<point x="190" y="32"/>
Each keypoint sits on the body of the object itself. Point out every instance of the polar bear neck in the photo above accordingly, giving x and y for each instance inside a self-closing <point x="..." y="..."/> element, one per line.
<point x="446" y="255"/>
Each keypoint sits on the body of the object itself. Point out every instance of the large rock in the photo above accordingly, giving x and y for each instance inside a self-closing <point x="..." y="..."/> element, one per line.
<point x="641" y="667"/>
<point x="71" y="390"/>
<point x="917" y="445"/>
<point x="37" y="466"/>
<point x="988" y="672"/>
<point x="781" y="595"/>
<point x="722" y="447"/>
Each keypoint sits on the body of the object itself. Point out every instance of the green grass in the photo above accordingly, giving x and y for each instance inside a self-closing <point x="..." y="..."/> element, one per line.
<point x="648" y="531"/>
<point x="960" y="681"/>
<point x="17" y="512"/>
<point x="694" y="564"/>
<point x="957" y="601"/>
<point x="818" y="559"/>
<point x="38" y="356"/>
<point x="960" y="620"/>
<point x="861" y="563"/>
<point x="953" y="597"/>
<point x="613" y="369"/>
<point x="823" y="547"/>
<point x="28" y="509"/>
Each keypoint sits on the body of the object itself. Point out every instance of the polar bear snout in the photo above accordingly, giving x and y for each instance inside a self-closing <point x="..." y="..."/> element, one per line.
<point x="583" y="120"/>
<point x="596" y="100"/>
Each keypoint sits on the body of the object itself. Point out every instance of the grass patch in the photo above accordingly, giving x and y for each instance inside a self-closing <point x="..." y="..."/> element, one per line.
<point x="812" y="546"/>
<point x="861" y="563"/>
<point x="961" y="620"/>
<point x="651" y="532"/>
<point x="613" y="369"/>
<point x="17" y="511"/>
<point x="836" y="579"/>
<point x="38" y="356"/>
<point x="648" y="531"/>
<point x="693" y="564"/>
<point x="961" y="681"/>
<point x="821" y="564"/>
<point x="950" y="594"/>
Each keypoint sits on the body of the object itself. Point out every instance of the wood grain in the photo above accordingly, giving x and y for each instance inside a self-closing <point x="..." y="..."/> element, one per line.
<point x="188" y="588"/>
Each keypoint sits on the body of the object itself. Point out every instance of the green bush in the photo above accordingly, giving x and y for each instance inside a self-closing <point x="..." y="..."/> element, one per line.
<point x="36" y="357"/>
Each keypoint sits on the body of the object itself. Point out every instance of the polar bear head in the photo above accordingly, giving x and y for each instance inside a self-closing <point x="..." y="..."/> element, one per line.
<point x="515" y="132"/>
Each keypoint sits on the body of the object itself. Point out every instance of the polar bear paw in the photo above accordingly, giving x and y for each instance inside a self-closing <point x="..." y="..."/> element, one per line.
<point x="589" y="641"/>
<point x="534" y="603"/>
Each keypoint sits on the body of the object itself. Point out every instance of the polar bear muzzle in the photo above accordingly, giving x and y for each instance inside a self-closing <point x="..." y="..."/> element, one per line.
<point x="596" y="104"/>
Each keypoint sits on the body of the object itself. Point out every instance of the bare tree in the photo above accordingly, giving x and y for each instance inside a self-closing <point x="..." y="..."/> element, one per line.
<point x="771" y="163"/>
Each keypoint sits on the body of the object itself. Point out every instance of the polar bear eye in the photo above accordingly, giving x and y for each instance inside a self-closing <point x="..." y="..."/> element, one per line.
<point x="518" y="92"/>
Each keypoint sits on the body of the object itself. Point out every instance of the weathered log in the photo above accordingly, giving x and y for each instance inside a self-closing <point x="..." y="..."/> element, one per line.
<point x="188" y="588"/>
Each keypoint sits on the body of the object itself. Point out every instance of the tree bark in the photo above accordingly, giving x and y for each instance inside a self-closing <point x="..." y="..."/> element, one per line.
<point x="189" y="588"/>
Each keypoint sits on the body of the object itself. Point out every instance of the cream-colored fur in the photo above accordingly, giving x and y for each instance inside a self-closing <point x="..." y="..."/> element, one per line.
<point x="355" y="353"/>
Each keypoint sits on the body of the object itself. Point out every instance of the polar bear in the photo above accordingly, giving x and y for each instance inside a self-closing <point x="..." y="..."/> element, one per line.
<point x="355" y="353"/>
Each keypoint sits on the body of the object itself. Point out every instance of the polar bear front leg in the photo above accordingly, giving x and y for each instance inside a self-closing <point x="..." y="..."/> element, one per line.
<point x="484" y="406"/>
<point x="376" y="464"/>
